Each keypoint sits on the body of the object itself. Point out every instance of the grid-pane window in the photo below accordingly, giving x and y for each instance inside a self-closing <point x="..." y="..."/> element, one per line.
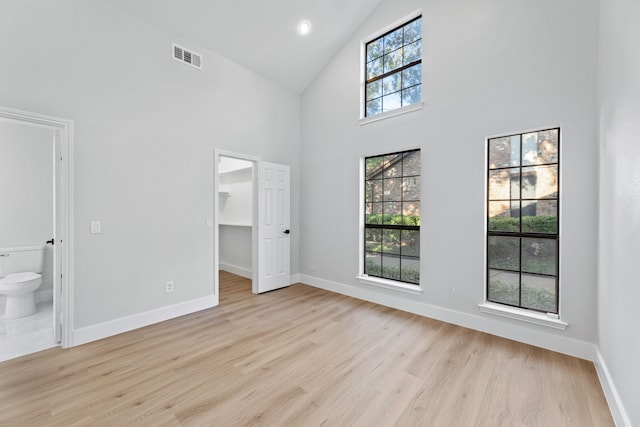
<point x="523" y="191"/>
<point x="392" y="216"/>
<point x="393" y="69"/>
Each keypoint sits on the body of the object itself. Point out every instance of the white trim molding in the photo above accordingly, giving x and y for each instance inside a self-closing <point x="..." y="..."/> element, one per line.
<point x="392" y="113"/>
<point x="390" y="284"/>
<point x="522" y="315"/>
<point x="240" y="271"/>
<point x="618" y="412"/>
<point x="129" y="323"/>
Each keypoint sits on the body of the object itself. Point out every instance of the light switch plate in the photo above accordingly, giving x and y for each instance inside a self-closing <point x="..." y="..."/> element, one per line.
<point x="96" y="227"/>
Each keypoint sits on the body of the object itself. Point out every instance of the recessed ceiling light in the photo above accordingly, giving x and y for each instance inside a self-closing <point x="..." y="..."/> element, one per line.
<point x="304" y="27"/>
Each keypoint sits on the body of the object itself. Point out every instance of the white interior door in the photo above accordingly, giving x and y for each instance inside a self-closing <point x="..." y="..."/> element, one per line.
<point x="274" y="244"/>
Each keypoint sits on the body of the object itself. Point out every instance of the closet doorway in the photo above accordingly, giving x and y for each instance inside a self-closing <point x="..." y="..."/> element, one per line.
<point x="251" y="221"/>
<point x="235" y="216"/>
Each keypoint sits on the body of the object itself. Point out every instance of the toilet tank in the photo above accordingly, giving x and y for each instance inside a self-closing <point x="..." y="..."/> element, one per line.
<point x="21" y="259"/>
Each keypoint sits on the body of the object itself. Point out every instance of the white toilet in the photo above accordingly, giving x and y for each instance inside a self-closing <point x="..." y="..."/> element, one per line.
<point x="20" y="276"/>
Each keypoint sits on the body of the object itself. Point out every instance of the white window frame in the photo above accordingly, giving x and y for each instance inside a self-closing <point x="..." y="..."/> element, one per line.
<point x="363" y="48"/>
<point x="549" y="320"/>
<point x="363" y="278"/>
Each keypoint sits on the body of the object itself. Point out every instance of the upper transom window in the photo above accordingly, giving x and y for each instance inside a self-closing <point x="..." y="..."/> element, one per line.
<point x="393" y="71"/>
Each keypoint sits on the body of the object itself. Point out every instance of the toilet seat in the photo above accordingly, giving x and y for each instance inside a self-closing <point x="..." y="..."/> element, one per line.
<point x="17" y="278"/>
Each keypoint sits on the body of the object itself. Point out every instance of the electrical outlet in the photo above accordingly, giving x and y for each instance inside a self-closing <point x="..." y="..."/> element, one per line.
<point x="168" y="287"/>
<point x="96" y="227"/>
<point x="313" y="269"/>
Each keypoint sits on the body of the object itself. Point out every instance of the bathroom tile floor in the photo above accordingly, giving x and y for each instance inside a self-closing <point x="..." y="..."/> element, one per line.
<point x="28" y="334"/>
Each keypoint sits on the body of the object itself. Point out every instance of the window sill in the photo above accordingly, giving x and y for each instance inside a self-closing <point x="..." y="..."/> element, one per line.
<point x="390" y="284"/>
<point x="522" y="315"/>
<point x="397" y="112"/>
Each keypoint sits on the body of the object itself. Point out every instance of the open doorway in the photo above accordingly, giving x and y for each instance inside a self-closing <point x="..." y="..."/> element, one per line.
<point x="252" y="221"/>
<point x="235" y="213"/>
<point x="34" y="232"/>
<point x="235" y="208"/>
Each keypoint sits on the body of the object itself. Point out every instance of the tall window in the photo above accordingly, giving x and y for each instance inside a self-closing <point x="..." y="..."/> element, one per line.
<point x="522" y="220"/>
<point x="393" y="70"/>
<point x="392" y="216"/>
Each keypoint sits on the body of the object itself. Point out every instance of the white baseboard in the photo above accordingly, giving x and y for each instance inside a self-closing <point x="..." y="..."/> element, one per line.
<point x="125" y="324"/>
<point x="506" y="328"/>
<point x="240" y="271"/>
<point x="620" y="416"/>
<point x="296" y="278"/>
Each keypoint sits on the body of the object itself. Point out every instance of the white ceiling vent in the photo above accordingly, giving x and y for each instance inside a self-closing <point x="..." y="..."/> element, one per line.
<point x="187" y="56"/>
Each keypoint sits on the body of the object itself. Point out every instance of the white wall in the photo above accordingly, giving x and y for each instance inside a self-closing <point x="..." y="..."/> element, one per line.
<point x="489" y="67"/>
<point x="618" y="275"/>
<point x="146" y="128"/>
<point x="236" y="249"/>
<point x="26" y="184"/>
<point x="26" y="192"/>
<point x="236" y="196"/>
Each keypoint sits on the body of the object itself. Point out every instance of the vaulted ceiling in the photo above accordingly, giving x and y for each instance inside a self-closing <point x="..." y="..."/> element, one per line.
<point x="260" y="35"/>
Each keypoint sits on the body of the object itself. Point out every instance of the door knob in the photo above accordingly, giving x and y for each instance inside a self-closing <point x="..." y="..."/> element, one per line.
<point x="287" y="231"/>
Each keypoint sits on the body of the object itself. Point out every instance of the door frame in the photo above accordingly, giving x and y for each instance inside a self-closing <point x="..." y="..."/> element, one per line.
<point x="216" y="220"/>
<point x="63" y="248"/>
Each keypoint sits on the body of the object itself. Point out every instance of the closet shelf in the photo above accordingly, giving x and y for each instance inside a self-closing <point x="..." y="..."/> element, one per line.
<point x="237" y="171"/>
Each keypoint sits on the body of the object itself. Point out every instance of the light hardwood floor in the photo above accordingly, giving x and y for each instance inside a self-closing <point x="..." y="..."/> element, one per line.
<point x="300" y="356"/>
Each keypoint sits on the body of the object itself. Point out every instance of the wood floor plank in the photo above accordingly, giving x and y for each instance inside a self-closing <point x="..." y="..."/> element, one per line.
<point x="300" y="356"/>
